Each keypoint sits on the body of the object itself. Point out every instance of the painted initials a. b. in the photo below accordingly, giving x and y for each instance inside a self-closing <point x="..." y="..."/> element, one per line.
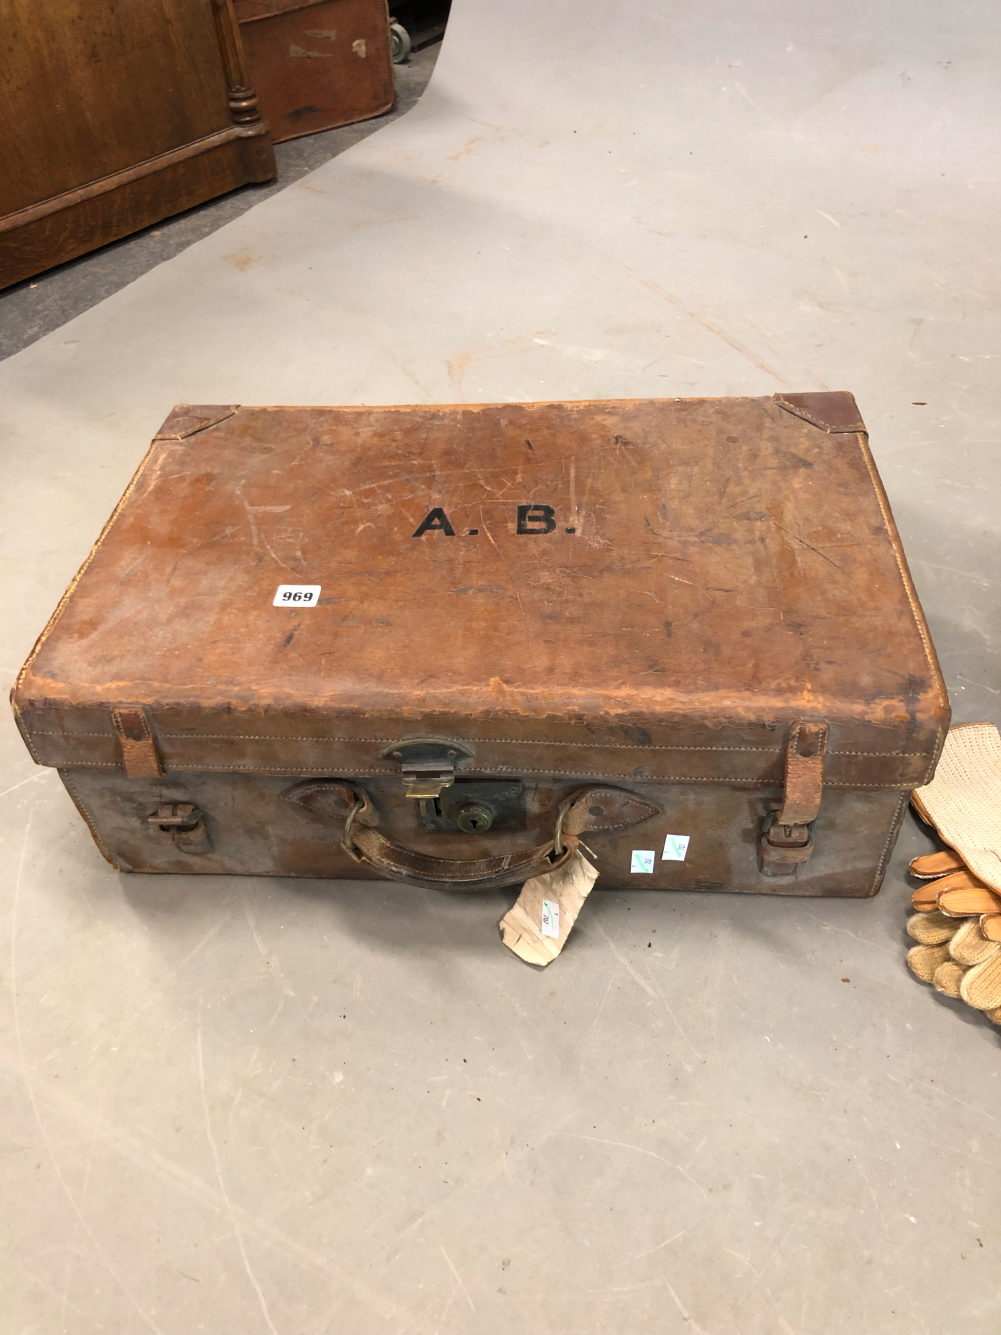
<point x="534" y="518"/>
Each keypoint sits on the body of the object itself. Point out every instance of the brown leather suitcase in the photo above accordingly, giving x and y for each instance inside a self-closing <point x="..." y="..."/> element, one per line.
<point x="445" y="645"/>
<point x="317" y="64"/>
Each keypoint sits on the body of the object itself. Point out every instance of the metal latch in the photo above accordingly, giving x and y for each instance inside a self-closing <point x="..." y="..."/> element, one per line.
<point x="426" y="783"/>
<point x="183" y="824"/>
<point x="428" y="768"/>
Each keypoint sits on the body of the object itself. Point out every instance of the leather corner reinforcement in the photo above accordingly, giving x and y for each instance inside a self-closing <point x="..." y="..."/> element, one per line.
<point x="187" y="419"/>
<point x="834" y="411"/>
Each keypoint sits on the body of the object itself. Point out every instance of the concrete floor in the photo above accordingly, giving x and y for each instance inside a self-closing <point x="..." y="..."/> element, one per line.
<point x="237" y="1105"/>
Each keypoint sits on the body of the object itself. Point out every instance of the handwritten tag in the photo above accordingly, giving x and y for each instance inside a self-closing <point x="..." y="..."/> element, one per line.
<point x="643" y="859"/>
<point x="538" y="924"/>
<point x="550" y="919"/>
<point x="676" y="847"/>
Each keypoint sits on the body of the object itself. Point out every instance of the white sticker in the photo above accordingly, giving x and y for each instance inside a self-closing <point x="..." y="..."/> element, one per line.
<point x="550" y="918"/>
<point x="297" y="595"/>
<point x="643" y="859"/>
<point x="675" y="847"/>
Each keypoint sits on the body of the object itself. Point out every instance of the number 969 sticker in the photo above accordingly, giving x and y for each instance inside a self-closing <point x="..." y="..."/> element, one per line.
<point x="297" y="595"/>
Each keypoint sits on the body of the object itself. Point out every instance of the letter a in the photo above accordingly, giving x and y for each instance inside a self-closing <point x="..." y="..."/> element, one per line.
<point x="437" y="519"/>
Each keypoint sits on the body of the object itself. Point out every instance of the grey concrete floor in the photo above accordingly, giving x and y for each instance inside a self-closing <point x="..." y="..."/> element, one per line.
<point x="233" y="1105"/>
<point x="41" y="304"/>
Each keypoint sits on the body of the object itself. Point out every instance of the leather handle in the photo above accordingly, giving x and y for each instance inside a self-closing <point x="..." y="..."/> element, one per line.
<point x="590" y="808"/>
<point x="404" y="864"/>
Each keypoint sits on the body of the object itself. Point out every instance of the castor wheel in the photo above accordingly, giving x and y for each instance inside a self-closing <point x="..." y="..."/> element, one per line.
<point x="399" y="42"/>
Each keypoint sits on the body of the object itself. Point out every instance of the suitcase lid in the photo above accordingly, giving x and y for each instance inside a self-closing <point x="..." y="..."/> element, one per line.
<point x="634" y="589"/>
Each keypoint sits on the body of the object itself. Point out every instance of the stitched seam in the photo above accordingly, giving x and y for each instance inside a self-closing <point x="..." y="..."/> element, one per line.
<point x="116" y="717"/>
<point x="483" y="741"/>
<point x="831" y="430"/>
<point x="905" y="575"/>
<point x="196" y="429"/>
<point x="897" y="755"/>
<point x="508" y="769"/>
<point x="287" y="769"/>
<point x="795" y="410"/>
<point x="572" y="774"/>
<point x="621" y="825"/>
<point x="885" y="786"/>
<point x="25" y="732"/>
<point x="881" y="865"/>
<point x="90" y="764"/>
<point x="61" y="605"/>
<point x="147" y="745"/>
<point x="891" y="533"/>
<point x="68" y="736"/>
<point x="91" y="825"/>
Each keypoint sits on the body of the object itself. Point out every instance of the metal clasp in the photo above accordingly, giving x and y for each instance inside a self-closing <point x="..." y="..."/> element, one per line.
<point x="428" y="768"/>
<point x="425" y="787"/>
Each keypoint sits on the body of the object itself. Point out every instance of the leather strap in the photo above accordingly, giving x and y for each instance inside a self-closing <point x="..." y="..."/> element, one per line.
<point x="138" y="745"/>
<point x="804" y="782"/>
<point x="590" y="808"/>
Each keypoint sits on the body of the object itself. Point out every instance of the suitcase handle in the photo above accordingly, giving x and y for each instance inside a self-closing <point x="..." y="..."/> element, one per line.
<point x="588" y="809"/>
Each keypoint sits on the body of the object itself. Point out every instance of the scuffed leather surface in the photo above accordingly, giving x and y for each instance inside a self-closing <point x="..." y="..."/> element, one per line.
<point x="255" y="832"/>
<point x="731" y="569"/>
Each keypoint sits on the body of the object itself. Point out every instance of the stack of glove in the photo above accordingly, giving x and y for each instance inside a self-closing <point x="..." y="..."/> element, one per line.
<point x="958" y="918"/>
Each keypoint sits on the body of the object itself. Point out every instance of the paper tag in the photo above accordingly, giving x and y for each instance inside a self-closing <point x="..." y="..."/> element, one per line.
<point x="676" y="847"/>
<point x="550" y="918"/>
<point x="537" y="925"/>
<point x="643" y="859"/>
<point x="297" y="595"/>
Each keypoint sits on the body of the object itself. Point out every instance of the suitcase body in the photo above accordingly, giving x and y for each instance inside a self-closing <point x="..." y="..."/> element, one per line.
<point x="317" y="64"/>
<point x="440" y="644"/>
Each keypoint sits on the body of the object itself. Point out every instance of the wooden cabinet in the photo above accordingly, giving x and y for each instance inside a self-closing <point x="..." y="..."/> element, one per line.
<point x="115" y="114"/>
<point x="317" y="63"/>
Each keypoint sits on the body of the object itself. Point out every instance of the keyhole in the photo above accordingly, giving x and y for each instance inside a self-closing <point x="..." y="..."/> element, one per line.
<point x="474" y="818"/>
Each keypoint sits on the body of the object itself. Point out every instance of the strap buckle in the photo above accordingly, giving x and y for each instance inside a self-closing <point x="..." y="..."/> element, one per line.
<point x="786" y="839"/>
<point x="183" y="824"/>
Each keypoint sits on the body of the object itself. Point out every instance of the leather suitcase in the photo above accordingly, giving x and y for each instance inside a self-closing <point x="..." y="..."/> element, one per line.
<point x="317" y="64"/>
<point x="445" y="645"/>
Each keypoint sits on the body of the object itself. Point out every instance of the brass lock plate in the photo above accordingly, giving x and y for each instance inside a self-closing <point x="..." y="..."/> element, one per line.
<point x="474" y="806"/>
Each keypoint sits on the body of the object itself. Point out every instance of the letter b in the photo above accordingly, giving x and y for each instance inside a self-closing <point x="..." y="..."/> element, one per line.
<point x="536" y="519"/>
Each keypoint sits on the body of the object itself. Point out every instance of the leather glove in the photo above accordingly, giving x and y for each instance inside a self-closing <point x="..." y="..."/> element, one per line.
<point x="958" y="923"/>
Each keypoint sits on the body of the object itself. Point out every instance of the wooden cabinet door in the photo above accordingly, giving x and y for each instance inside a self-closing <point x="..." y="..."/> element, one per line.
<point x="116" y="115"/>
